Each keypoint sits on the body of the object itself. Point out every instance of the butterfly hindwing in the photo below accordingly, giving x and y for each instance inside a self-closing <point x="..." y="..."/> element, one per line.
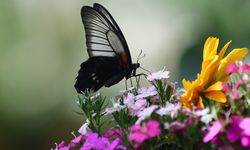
<point x="98" y="71"/>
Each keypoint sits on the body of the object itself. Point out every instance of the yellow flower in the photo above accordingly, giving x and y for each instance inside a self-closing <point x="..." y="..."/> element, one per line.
<point x="209" y="81"/>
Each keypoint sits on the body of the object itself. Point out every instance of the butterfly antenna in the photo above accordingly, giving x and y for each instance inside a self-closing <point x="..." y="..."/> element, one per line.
<point x="138" y="58"/>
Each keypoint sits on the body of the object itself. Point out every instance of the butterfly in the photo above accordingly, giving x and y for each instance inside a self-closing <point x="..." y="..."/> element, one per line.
<point x="109" y="57"/>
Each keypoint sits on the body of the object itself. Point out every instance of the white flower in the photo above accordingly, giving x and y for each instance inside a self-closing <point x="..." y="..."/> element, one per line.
<point x="116" y="107"/>
<point x="146" y="92"/>
<point x="85" y="128"/>
<point x="130" y="98"/>
<point x="169" y="109"/>
<point x="146" y="113"/>
<point x="158" y="75"/>
<point x="206" y="117"/>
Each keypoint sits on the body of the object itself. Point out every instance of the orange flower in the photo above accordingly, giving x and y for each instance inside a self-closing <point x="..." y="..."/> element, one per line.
<point x="209" y="81"/>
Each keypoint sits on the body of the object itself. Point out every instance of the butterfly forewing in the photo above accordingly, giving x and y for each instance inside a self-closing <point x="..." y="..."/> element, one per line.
<point x="118" y="31"/>
<point x="110" y="60"/>
<point x="97" y="28"/>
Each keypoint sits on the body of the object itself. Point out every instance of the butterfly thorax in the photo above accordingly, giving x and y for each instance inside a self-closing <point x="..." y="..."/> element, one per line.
<point x="131" y="71"/>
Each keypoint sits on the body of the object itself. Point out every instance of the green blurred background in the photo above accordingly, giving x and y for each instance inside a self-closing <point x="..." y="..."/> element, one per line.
<point x="42" y="44"/>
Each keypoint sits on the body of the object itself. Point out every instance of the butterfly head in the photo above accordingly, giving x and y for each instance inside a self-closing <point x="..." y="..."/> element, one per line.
<point x="132" y="70"/>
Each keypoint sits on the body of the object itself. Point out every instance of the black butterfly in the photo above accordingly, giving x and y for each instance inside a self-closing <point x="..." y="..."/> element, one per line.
<point x="109" y="57"/>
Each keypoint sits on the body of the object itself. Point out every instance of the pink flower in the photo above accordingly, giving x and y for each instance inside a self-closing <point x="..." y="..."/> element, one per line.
<point x="245" y="141"/>
<point x="116" y="144"/>
<point x="158" y="75"/>
<point x="234" y="131"/>
<point x="213" y="131"/>
<point x="75" y="141"/>
<point x="61" y="146"/>
<point x="176" y="127"/>
<point x="136" y="107"/>
<point x="238" y="84"/>
<point x="130" y="98"/>
<point x="245" y="126"/>
<point x="233" y="93"/>
<point x="153" y="128"/>
<point x="226" y="87"/>
<point x="232" y="68"/>
<point x="245" y="68"/>
<point x="140" y="134"/>
<point x="112" y="133"/>
<point x="133" y="105"/>
<point x="137" y="135"/>
<point x="95" y="142"/>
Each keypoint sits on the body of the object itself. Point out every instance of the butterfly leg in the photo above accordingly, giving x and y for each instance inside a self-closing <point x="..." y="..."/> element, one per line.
<point x="126" y="84"/>
<point x="131" y="82"/>
<point x="138" y="77"/>
<point x="138" y="81"/>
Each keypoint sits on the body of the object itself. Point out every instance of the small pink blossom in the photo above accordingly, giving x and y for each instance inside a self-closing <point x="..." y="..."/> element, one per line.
<point x="75" y="141"/>
<point x="213" y="131"/>
<point x="153" y="128"/>
<point x="176" y="126"/>
<point x="226" y="87"/>
<point x="134" y="105"/>
<point x="245" y="126"/>
<point x="245" y="141"/>
<point x="236" y="95"/>
<point x="232" y="68"/>
<point x="244" y="68"/>
<point x="238" y="84"/>
<point x="61" y="146"/>
<point x="130" y="98"/>
<point x="234" y="131"/>
<point x="140" y="134"/>
<point x="112" y="133"/>
<point x="137" y="106"/>
<point x="158" y="75"/>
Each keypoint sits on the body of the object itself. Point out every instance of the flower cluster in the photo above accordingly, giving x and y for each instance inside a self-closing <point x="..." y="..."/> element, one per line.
<point x="209" y="80"/>
<point x="212" y="112"/>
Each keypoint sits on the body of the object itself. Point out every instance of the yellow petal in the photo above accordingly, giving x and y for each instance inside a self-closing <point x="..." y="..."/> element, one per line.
<point x="186" y="84"/>
<point x="217" y="96"/>
<point x="207" y="73"/>
<point x="223" y="50"/>
<point x="215" y="87"/>
<point x="210" y="48"/>
<point x="200" y="103"/>
<point x="235" y="55"/>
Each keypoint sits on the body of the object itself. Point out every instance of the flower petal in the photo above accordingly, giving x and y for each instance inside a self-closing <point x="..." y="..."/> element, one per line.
<point x="213" y="131"/>
<point x="223" y="50"/>
<point x="215" y="87"/>
<point x="234" y="55"/>
<point x="200" y="103"/>
<point x="210" y="48"/>
<point x="217" y="96"/>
